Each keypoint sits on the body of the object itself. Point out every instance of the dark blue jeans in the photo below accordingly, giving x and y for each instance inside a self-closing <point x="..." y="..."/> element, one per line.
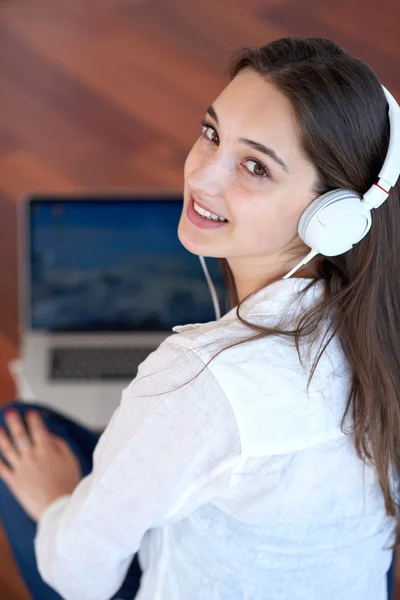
<point x="390" y="580"/>
<point x="21" y="529"/>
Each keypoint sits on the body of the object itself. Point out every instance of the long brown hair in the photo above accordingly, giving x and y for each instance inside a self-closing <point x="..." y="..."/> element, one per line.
<point x="343" y="117"/>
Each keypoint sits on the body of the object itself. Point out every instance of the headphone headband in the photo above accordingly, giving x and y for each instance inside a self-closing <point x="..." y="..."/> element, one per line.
<point x="391" y="168"/>
<point x="390" y="171"/>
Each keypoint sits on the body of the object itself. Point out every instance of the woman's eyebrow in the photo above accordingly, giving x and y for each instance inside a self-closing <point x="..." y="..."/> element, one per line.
<point x="255" y="145"/>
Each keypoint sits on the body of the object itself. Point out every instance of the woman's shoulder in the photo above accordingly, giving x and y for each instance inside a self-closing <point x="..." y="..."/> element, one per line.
<point x="265" y="383"/>
<point x="232" y="339"/>
<point x="204" y="338"/>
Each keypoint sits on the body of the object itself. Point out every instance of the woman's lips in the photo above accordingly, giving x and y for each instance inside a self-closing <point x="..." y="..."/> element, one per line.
<point x="200" y="221"/>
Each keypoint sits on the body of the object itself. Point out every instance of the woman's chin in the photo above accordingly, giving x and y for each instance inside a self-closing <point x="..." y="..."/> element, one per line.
<point x="188" y="242"/>
<point x="193" y="245"/>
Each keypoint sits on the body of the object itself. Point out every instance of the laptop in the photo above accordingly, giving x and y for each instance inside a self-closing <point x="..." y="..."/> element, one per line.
<point x="103" y="279"/>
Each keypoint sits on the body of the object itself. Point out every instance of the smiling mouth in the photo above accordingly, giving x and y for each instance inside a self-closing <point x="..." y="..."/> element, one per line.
<point x="202" y="217"/>
<point x="207" y="214"/>
<point x="204" y="211"/>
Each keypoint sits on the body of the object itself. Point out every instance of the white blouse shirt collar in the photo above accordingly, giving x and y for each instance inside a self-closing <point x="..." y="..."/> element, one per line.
<point x="271" y="300"/>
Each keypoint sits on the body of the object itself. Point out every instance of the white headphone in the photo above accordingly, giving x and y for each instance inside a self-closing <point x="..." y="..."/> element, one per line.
<point x="337" y="220"/>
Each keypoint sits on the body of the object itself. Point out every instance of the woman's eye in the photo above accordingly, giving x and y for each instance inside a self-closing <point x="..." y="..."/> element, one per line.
<point x="209" y="132"/>
<point x="257" y="169"/>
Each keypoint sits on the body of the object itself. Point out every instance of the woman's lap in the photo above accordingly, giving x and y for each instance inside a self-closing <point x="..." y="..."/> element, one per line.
<point x="21" y="529"/>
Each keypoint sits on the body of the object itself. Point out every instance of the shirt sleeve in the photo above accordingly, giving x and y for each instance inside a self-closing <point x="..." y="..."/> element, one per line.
<point x="168" y="449"/>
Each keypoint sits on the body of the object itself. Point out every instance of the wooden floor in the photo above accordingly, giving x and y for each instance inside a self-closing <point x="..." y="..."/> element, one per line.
<point x="108" y="94"/>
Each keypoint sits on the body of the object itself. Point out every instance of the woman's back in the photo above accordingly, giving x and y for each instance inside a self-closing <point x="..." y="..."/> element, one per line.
<point x="300" y="516"/>
<point x="304" y="525"/>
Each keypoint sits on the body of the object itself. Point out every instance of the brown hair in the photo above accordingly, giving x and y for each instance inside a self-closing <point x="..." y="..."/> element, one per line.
<point x="342" y="113"/>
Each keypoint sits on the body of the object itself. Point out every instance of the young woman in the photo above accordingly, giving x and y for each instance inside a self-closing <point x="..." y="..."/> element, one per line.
<point x="254" y="457"/>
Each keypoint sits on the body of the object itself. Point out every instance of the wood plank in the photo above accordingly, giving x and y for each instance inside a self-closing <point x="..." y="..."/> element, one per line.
<point x="11" y="585"/>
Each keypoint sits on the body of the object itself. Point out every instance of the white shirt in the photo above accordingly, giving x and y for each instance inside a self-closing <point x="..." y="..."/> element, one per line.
<point x="239" y="485"/>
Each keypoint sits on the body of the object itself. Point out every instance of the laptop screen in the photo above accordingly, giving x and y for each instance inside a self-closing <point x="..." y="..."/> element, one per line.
<point x="115" y="265"/>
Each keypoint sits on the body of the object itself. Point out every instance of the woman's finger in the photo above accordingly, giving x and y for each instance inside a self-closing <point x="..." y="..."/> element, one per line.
<point x="63" y="446"/>
<point x="39" y="433"/>
<point x="17" y="429"/>
<point x="7" y="449"/>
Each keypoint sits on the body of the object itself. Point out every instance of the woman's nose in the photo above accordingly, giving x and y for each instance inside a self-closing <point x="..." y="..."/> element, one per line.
<point x="209" y="178"/>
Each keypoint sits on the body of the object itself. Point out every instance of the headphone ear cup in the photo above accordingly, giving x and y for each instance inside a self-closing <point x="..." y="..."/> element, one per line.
<point x="334" y="222"/>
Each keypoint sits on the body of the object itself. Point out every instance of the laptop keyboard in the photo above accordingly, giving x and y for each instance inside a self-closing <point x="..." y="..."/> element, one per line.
<point x="88" y="363"/>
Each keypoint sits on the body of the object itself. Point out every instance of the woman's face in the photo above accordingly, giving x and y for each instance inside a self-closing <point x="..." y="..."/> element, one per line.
<point x="247" y="167"/>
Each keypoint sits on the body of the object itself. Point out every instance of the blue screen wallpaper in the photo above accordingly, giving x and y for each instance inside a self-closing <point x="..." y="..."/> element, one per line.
<point x="115" y="265"/>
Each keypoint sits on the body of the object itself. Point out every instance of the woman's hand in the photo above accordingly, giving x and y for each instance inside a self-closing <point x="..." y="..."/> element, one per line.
<point x="42" y="467"/>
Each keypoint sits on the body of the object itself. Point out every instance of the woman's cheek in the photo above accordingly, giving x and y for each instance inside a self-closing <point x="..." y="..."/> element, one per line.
<point x="188" y="162"/>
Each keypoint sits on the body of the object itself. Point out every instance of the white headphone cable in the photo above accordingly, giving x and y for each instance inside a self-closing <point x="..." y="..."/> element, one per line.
<point x="214" y="296"/>
<point x="305" y="260"/>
